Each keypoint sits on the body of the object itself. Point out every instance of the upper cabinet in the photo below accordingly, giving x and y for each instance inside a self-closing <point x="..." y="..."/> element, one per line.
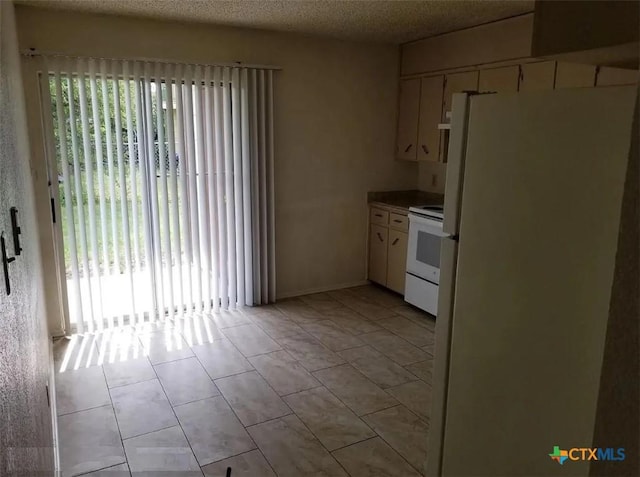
<point x="431" y="95"/>
<point x="507" y="56"/>
<point x="499" y="80"/>
<point x="457" y="83"/>
<point x="616" y="77"/>
<point x="483" y="44"/>
<point x="539" y="76"/>
<point x="419" y="111"/>
<point x="408" y="115"/>
<point x="574" y="75"/>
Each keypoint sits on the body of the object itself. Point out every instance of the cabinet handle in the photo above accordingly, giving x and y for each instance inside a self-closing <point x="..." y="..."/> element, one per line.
<point x="424" y="148"/>
<point x="395" y="241"/>
<point x="380" y="236"/>
<point x="397" y="221"/>
<point x="378" y="215"/>
<point x="408" y="147"/>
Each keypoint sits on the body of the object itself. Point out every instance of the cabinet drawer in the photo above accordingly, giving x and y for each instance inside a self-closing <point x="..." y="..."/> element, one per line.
<point x="400" y="222"/>
<point x="379" y="216"/>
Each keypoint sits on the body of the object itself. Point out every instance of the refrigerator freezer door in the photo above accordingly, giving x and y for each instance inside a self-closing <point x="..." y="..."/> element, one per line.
<point x="543" y="182"/>
<point x="455" y="163"/>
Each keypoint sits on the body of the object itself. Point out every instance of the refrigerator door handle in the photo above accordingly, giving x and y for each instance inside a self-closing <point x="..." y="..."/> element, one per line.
<point x="455" y="162"/>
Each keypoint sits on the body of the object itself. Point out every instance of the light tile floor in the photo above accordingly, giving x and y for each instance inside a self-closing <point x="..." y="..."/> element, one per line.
<point x="332" y="384"/>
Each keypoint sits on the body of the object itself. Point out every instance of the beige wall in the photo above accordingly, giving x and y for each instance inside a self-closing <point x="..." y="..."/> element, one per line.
<point x="335" y="113"/>
<point x="26" y="439"/>
<point x="597" y="33"/>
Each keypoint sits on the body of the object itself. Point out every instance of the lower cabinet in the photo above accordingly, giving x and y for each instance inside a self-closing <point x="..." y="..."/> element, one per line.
<point x="378" y="239"/>
<point x="388" y="249"/>
<point x="397" y="260"/>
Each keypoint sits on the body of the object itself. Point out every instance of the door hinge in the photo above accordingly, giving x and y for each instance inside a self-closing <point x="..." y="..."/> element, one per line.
<point x="53" y="210"/>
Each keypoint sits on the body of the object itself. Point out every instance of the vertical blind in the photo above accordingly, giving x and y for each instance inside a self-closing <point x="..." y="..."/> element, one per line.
<point x="165" y="187"/>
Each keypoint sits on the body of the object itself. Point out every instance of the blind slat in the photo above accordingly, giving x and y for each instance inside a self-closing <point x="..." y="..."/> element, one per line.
<point x="88" y="162"/>
<point x="237" y="187"/>
<point x="228" y="169"/>
<point x="138" y="314"/>
<point x="192" y="189"/>
<point x="173" y="186"/>
<point x="201" y="190"/>
<point x="124" y="202"/>
<point x="143" y="160"/>
<point x="163" y="198"/>
<point x="212" y="195"/>
<point x="185" y="238"/>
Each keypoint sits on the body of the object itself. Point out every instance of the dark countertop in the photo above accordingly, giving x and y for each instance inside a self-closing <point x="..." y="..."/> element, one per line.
<point x="403" y="199"/>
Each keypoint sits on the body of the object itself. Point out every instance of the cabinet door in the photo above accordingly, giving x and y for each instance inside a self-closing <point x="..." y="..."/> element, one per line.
<point x="538" y="76"/>
<point x="378" y="238"/>
<point x="408" y="112"/>
<point x="500" y="80"/>
<point x="431" y="94"/>
<point x="573" y="75"/>
<point x="616" y="77"/>
<point x="454" y="83"/>
<point x="457" y="83"/>
<point x="397" y="261"/>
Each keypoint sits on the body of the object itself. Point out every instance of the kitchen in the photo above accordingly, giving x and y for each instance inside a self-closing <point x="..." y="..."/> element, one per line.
<point x="414" y="235"/>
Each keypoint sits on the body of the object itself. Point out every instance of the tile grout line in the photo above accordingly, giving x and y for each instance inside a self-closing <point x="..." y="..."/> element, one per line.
<point x="267" y="383"/>
<point x="115" y="416"/>
<point x="320" y="442"/>
<point x="227" y="403"/>
<point x="175" y="415"/>
<point x="359" y="418"/>
<point x="150" y="432"/>
<point x="403" y="457"/>
<point x="389" y="444"/>
<point x="355" y="443"/>
<point x="87" y="409"/>
<point x="134" y="382"/>
<point x="103" y="468"/>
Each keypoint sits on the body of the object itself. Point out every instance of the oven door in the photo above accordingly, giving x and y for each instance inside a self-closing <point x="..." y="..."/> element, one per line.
<point x="423" y="252"/>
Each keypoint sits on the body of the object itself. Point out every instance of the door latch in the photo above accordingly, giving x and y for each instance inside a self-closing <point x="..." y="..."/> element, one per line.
<point x="17" y="249"/>
<point x="6" y="260"/>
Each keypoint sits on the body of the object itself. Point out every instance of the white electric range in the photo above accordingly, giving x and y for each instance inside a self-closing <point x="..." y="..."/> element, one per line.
<point x="423" y="257"/>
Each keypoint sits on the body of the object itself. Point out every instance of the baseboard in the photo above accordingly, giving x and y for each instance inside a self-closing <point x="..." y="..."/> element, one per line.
<point x="54" y="411"/>
<point x="308" y="291"/>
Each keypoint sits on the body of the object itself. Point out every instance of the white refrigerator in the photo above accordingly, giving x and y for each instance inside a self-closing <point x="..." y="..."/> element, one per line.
<point x="532" y="209"/>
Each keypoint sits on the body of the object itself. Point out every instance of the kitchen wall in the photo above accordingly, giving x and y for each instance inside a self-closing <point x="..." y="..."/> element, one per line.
<point x="335" y="114"/>
<point x="26" y="438"/>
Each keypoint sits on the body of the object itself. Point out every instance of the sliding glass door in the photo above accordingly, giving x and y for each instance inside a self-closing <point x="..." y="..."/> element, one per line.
<point x="163" y="178"/>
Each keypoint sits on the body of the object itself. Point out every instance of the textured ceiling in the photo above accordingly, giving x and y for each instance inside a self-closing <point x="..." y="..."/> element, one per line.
<point x="396" y="21"/>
